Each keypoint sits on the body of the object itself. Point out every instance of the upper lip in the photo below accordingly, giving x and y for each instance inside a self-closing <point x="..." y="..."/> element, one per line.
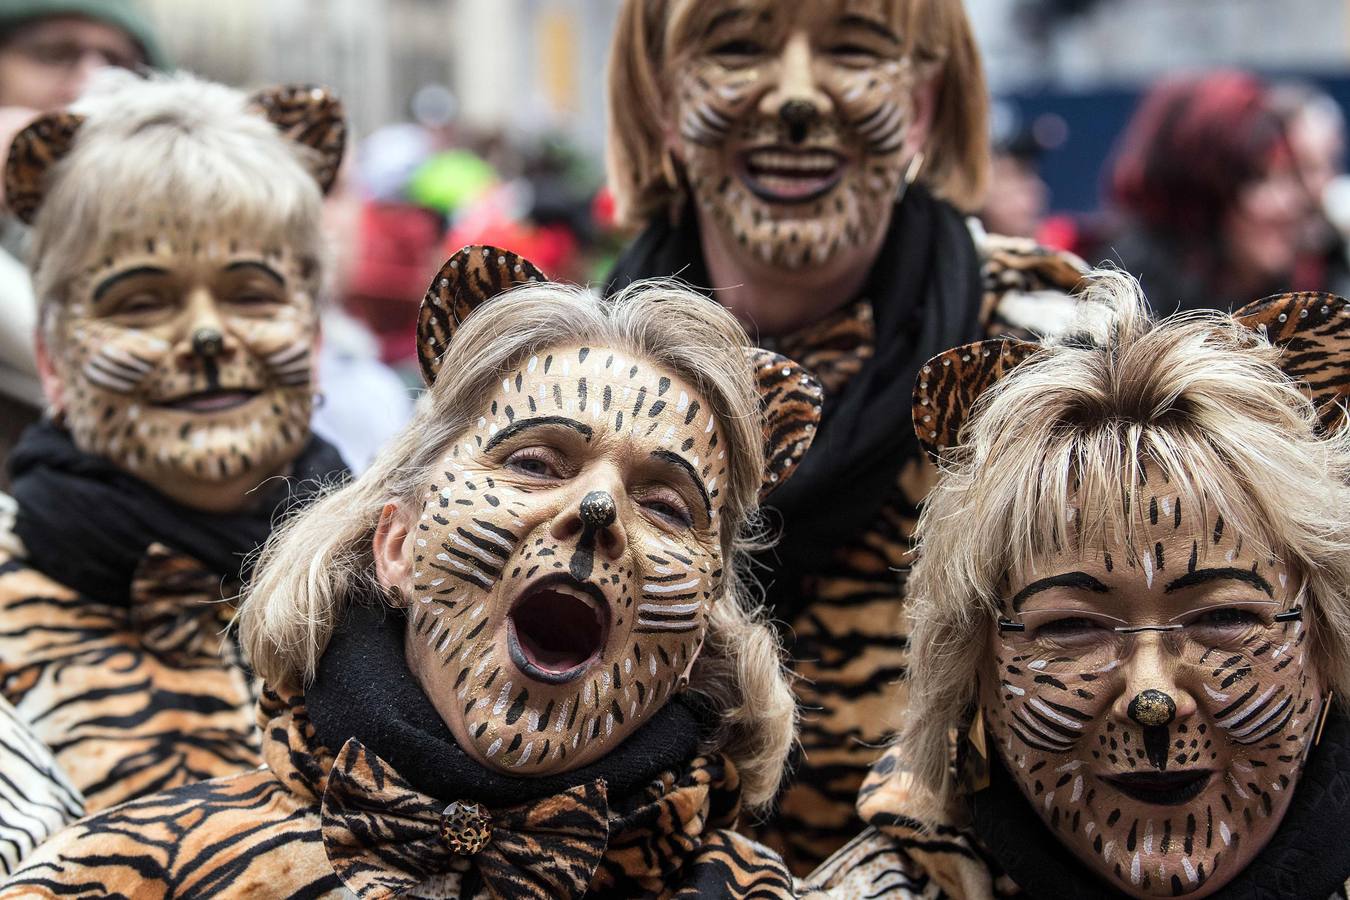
<point x="519" y="653"/>
<point x="183" y="399"/>
<point x="791" y="162"/>
<point x="1165" y="788"/>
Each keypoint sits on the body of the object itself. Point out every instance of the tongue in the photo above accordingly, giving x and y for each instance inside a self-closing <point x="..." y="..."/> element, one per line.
<point x="556" y="631"/>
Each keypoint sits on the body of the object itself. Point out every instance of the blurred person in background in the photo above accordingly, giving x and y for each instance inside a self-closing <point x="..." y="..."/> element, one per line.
<point x="1017" y="197"/>
<point x="807" y="165"/>
<point x="48" y="49"/>
<point x="1213" y="199"/>
<point x="1317" y="137"/>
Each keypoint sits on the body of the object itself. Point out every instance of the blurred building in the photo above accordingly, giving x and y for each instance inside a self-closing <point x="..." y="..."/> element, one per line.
<point x="518" y="65"/>
<point x="1088" y="44"/>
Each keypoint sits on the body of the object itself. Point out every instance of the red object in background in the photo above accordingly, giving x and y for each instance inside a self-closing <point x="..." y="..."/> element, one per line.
<point x="493" y="220"/>
<point x="398" y="249"/>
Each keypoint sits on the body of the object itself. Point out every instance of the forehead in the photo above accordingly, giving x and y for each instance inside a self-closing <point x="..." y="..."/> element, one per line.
<point x="172" y="243"/>
<point x="1162" y="528"/>
<point x="693" y="19"/>
<point x="75" y="28"/>
<point x="614" y="394"/>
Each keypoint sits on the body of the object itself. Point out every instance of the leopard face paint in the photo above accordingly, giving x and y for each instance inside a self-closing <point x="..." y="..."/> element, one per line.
<point x="791" y="121"/>
<point x="1166" y="754"/>
<point x="187" y="360"/>
<point x="567" y="555"/>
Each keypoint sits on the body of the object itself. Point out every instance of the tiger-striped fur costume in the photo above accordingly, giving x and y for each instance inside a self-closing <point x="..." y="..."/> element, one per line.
<point x="847" y="646"/>
<point x="131" y="699"/>
<point x="316" y="824"/>
<point x="36" y="797"/>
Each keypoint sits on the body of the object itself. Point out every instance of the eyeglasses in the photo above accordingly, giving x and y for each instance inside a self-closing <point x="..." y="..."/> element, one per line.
<point x="1237" y="636"/>
<point x="67" y="55"/>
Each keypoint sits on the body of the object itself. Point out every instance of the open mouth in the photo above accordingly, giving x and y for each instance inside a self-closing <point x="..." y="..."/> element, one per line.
<point x="557" y="629"/>
<point x="1162" y="788"/>
<point x="209" y="401"/>
<point x="783" y="175"/>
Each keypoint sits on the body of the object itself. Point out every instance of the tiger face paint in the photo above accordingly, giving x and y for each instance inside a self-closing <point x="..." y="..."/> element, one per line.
<point x="566" y="558"/>
<point x="186" y="360"/>
<point x="793" y="124"/>
<point x="1159" y="702"/>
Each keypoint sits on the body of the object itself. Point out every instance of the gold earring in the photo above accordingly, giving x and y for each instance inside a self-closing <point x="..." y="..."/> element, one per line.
<point x="975" y="765"/>
<point x="915" y="167"/>
<point x="1322" y="716"/>
<point x="669" y="174"/>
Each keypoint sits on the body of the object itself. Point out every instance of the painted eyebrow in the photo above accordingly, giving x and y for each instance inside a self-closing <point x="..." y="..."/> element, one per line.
<point x="516" y="428"/>
<point x="246" y="265"/>
<point x="677" y="459"/>
<point x="1080" y="581"/>
<point x="111" y="281"/>
<point x="853" y="20"/>
<point x="1201" y="576"/>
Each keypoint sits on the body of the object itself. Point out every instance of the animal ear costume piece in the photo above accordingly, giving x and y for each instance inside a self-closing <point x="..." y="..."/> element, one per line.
<point x="791" y="399"/>
<point x="34" y="151"/>
<point x="1313" y="330"/>
<point x="312" y="116"/>
<point x="468" y="279"/>
<point x="951" y="382"/>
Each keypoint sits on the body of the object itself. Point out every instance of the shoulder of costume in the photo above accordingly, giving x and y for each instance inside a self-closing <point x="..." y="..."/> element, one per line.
<point x="1030" y="290"/>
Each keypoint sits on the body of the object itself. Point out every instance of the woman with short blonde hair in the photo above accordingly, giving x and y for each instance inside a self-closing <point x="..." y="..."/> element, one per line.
<point x="517" y="658"/>
<point x="1131" y="612"/>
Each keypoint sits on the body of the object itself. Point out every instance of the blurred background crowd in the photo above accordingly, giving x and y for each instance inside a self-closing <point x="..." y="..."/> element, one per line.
<point x="1199" y="145"/>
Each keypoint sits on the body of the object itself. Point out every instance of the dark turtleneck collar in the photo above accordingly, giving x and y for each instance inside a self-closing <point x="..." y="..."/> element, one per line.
<point x="1309" y="856"/>
<point x="86" y="523"/>
<point x="364" y="689"/>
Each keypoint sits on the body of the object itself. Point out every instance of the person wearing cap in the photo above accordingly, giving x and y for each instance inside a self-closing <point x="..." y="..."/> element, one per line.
<point x="48" y="49"/>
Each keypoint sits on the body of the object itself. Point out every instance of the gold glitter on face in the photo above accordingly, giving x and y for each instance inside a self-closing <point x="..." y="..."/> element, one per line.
<point x="188" y="362"/>
<point x="566" y="558"/>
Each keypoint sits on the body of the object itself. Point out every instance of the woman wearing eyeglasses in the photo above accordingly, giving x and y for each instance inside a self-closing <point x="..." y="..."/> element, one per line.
<point x="1131" y="616"/>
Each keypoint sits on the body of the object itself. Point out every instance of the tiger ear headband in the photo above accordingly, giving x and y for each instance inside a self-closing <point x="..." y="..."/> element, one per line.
<point x="790" y="397"/>
<point x="307" y="114"/>
<point x="1312" y="329"/>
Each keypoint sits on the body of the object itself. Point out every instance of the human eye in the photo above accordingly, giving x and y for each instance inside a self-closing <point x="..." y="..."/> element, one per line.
<point x="852" y="53"/>
<point x="1069" y="630"/>
<point x="668" y="506"/>
<point x="735" y="52"/>
<point x="1225" y="624"/>
<point x="541" y="463"/>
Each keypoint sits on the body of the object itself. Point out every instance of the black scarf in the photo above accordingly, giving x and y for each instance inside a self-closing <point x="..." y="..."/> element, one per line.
<point x="364" y="689"/>
<point x="1309" y="856"/>
<point x="925" y="291"/>
<point x="87" y="524"/>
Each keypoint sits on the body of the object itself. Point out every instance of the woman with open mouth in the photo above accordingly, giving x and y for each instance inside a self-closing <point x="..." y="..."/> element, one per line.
<point x="517" y="658"/>
<point x="1131" y="618"/>
<point x="176" y="228"/>
<point x="807" y="165"/>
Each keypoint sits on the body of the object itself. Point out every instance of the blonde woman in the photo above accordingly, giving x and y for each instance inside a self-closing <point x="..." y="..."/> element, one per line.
<point x="517" y="657"/>
<point x="1131" y="616"/>
<point x="808" y="165"/>
<point x="176" y="256"/>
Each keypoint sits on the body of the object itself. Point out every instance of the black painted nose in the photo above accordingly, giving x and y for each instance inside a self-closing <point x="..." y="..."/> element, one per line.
<point x="208" y="342"/>
<point x="598" y="510"/>
<point x="798" y="116"/>
<point x="1152" y="708"/>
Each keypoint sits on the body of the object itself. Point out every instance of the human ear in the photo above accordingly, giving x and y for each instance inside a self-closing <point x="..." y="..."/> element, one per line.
<point x="393" y="566"/>
<point x="924" y="95"/>
<point x="53" y="388"/>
